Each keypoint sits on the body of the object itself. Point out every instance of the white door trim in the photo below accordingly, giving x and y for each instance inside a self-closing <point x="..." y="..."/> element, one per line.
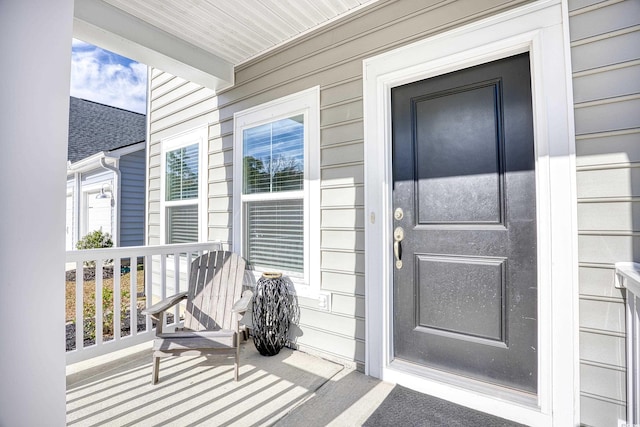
<point x="539" y="28"/>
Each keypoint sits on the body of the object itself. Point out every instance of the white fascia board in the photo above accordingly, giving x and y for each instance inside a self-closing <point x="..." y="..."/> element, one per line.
<point x="99" y="23"/>
<point x="86" y="164"/>
<point x="93" y="161"/>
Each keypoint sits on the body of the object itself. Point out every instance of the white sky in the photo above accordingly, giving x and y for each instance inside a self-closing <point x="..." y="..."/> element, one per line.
<point x="102" y="76"/>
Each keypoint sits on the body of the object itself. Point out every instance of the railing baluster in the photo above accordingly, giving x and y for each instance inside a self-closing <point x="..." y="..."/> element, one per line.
<point x="133" y="295"/>
<point x="163" y="276"/>
<point x="117" y="297"/>
<point x="176" y="286"/>
<point x="148" y="283"/>
<point x="98" y="299"/>
<point x="163" y="284"/>
<point x="188" y="274"/>
<point x="79" y="306"/>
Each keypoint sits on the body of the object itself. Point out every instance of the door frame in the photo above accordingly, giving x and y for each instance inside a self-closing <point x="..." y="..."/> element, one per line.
<point x="541" y="28"/>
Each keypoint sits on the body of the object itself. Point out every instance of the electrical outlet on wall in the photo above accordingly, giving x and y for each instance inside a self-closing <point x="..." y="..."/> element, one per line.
<point x="323" y="301"/>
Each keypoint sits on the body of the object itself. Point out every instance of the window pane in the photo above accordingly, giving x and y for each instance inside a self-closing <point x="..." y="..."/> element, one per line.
<point x="274" y="156"/>
<point x="182" y="173"/>
<point x="182" y="224"/>
<point x="275" y="234"/>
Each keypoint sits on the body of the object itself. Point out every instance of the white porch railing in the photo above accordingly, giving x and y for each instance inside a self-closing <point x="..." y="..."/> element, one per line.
<point x="166" y="271"/>
<point x="628" y="277"/>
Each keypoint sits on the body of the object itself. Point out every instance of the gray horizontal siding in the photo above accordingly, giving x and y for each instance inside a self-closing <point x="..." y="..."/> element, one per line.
<point x="608" y="147"/>
<point x="601" y="412"/>
<point x="620" y="216"/>
<point x="602" y="349"/>
<point x="605" y="52"/>
<point x="610" y="115"/>
<point x="332" y="59"/>
<point x="611" y="82"/>
<point x="133" y="173"/>
<point x="597" y="315"/>
<point x="610" y="17"/>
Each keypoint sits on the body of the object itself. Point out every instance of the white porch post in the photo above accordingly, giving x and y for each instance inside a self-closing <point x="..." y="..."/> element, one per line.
<point x="35" y="41"/>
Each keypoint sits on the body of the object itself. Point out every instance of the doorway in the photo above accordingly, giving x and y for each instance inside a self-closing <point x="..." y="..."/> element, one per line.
<point x="536" y="30"/>
<point x="465" y="244"/>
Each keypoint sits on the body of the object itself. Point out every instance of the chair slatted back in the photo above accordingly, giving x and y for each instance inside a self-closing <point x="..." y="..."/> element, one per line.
<point x="215" y="284"/>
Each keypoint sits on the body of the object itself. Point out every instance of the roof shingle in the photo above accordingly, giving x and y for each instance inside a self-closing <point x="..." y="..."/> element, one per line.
<point x="95" y="127"/>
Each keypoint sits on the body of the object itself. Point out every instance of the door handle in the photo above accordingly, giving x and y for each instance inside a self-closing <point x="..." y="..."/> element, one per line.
<point x="398" y="235"/>
<point x="397" y="250"/>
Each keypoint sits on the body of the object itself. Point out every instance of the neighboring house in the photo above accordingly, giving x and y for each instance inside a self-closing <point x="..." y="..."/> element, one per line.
<point x="105" y="173"/>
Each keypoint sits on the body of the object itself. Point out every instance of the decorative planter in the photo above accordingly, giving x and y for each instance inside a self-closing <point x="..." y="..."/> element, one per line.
<point x="272" y="311"/>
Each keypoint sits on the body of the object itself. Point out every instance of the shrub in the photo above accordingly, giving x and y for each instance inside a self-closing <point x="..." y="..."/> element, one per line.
<point x="95" y="240"/>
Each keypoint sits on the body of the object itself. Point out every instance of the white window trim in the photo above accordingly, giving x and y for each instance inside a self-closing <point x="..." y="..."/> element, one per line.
<point x="541" y="29"/>
<point x="307" y="103"/>
<point x="200" y="136"/>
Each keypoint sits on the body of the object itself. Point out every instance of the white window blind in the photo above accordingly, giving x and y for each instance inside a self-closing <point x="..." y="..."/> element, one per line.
<point x="182" y="224"/>
<point x="275" y="234"/>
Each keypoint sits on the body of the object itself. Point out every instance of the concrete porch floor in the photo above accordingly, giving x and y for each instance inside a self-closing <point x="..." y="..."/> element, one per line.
<point x="290" y="389"/>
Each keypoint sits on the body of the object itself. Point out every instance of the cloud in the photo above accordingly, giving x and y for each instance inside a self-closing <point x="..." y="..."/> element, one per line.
<point x="102" y="76"/>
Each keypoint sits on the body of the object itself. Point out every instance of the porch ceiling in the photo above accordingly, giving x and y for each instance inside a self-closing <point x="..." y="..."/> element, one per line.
<point x="202" y="40"/>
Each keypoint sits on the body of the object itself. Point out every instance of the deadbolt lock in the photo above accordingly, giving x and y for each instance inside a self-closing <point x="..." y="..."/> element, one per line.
<point x="398" y="214"/>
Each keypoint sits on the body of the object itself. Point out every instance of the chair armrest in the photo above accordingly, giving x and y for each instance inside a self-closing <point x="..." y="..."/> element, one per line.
<point x="242" y="305"/>
<point x="165" y="304"/>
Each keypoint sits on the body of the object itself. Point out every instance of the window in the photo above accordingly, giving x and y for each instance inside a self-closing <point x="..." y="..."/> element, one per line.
<point x="276" y="188"/>
<point x="181" y="188"/>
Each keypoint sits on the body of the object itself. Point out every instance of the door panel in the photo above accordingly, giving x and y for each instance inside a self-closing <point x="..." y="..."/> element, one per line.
<point x="465" y="297"/>
<point x="442" y="169"/>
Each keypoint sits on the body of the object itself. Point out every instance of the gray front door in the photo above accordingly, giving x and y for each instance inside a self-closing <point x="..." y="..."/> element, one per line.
<point x="465" y="291"/>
